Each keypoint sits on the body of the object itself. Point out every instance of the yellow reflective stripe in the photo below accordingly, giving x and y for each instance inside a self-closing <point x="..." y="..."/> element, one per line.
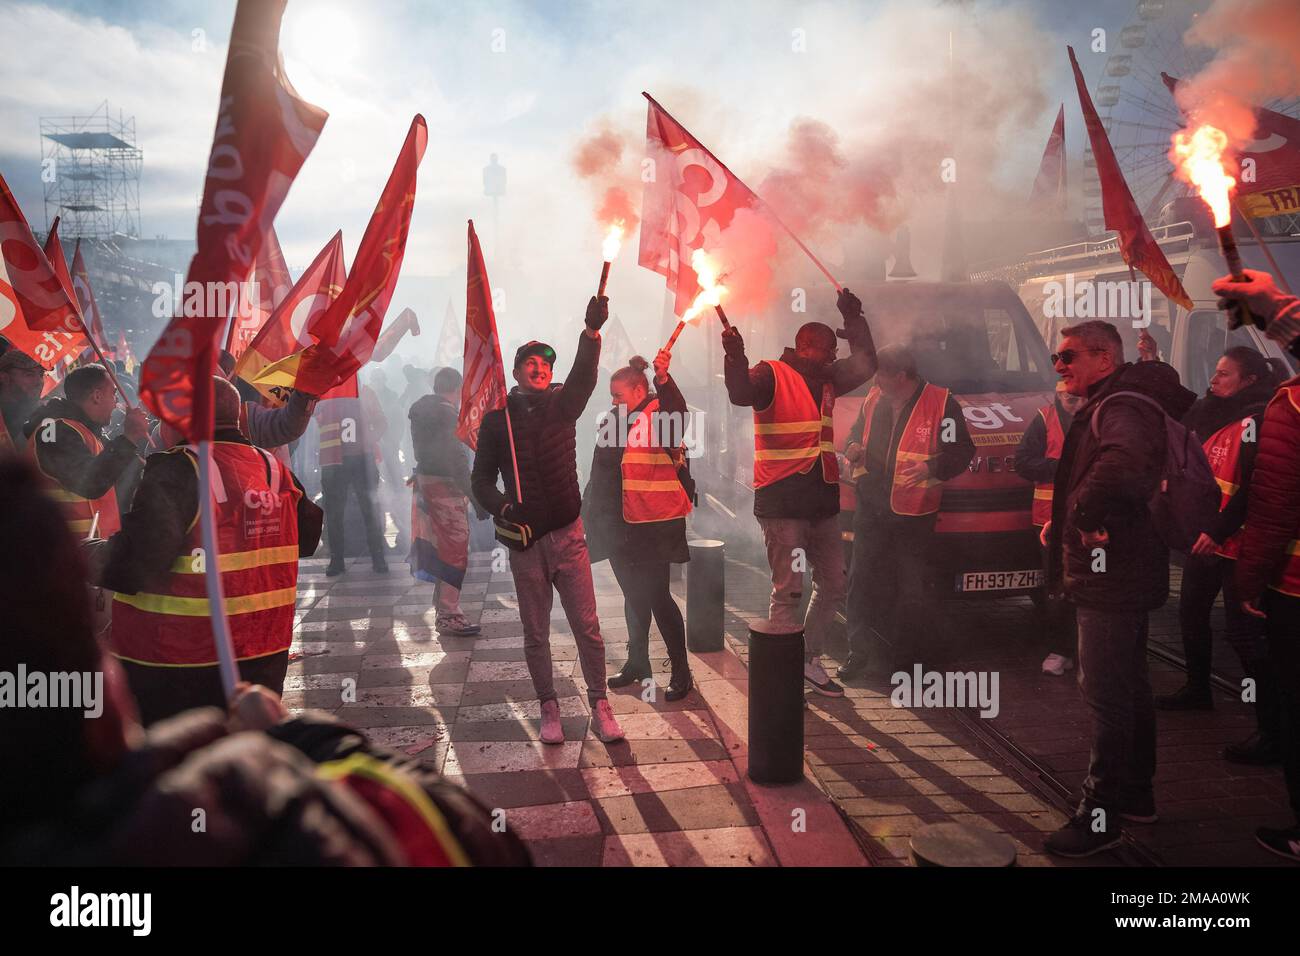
<point x="332" y="426"/>
<point x="646" y="458"/>
<point x="199" y="607"/>
<point x="80" y="524"/>
<point x="913" y="456"/>
<point x="1043" y="494"/>
<point x="58" y="494"/>
<point x="1227" y="487"/>
<point x="241" y="560"/>
<point x="785" y="454"/>
<point x="828" y="446"/>
<point x="637" y="484"/>
<point x="331" y="443"/>
<point x="828" y="422"/>
<point x="786" y="428"/>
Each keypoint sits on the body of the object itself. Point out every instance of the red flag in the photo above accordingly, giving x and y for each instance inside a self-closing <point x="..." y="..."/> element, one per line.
<point x="293" y="324"/>
<point x="29" y="287"/>
<point x="1048" y="194"/>
<point x="80" y="349"/>
<point x="93" y="321"/>
<point x="405" y="322"/>
<point x="687" y="205"/>
<point x="1274" y="186"/>
<point x="263" y="135"/>
<point x="267" y="286"/>
<point x="349" y="330"/>
<point x="1136" y="244"/>
<point x="484" y="386"/>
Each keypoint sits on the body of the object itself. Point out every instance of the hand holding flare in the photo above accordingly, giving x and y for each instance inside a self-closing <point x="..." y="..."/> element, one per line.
<point x="711" y="293"/>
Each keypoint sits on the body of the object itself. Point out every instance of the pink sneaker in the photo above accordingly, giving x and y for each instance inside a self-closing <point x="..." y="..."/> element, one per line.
<point x="603" y="723"/>
<point x="552" y="730"/>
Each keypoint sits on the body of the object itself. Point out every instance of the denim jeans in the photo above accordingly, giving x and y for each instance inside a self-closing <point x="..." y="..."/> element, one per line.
<point x="1116" y="686"/>
<point x="890" y="594"/>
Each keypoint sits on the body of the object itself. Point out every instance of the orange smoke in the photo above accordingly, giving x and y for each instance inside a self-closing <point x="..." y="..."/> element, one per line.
<point x="1198" y="159"/>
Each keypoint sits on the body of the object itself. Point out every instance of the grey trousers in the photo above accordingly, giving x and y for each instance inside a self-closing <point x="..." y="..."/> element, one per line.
<point x="558" y="561"/>
<point x="794" y="545"/>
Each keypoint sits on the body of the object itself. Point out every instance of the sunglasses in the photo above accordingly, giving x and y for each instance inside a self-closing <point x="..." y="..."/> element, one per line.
<point x="1067" y="356"/>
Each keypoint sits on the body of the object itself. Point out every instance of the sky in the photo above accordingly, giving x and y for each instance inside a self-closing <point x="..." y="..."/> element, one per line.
<point x="528" y="81"/>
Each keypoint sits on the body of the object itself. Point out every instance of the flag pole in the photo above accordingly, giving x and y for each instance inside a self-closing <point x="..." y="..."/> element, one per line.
<point x="85" y="330"/>
<point x="777" y="219"/>
<point x="226" y="664"/>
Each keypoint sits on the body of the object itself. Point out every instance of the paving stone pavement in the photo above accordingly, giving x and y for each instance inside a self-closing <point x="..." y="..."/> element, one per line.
<point x="674" y="794"/>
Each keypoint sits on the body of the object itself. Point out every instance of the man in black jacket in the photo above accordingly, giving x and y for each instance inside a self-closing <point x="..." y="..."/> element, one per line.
<point x="540" y="522"/>
<point x="799" y="513"/>
<point x="1104" y="551"/>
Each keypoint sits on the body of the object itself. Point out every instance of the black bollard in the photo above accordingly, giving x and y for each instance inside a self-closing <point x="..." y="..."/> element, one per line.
<point x="776" y="704"/>
<point x="706" y="589"/>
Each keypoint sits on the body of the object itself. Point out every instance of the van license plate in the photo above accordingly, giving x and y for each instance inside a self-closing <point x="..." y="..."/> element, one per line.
<point x="1000" y="580"/>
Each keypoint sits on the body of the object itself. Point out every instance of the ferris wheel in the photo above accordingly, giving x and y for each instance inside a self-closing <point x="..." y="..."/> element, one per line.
<point x="1137" y="109"/>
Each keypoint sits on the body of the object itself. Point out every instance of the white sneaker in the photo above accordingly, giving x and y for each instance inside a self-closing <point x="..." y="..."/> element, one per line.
<point x="603" y="723"/>
<point x="1057" y="664"/>
<point x="552" y="730"/>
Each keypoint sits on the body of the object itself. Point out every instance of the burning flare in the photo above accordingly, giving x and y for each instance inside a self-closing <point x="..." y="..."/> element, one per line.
<point x="1198" y="157"/>
<point x="711" y="292"/>
<point x="613" y="242"/>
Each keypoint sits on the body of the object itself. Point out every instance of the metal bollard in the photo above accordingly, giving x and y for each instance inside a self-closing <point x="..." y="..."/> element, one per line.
<point x="776" y="704"/>
<point x="706" y="588"/>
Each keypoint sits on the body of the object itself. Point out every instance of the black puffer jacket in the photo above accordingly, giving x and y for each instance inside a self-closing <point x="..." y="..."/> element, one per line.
<point x="545" y="440"/>
<point x="1106" y="482"/>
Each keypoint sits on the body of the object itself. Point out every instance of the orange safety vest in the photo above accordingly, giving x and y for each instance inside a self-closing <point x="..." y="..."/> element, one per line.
<point x="651" y="488"/>
<point x="1042" y="509"/>
<point x="792" y="433"/>
<point x="1288" y="577"/>
<point x="1224" y="453"/>
<point x="331" y="414"/>
<point x="257" y="534"/>
<point x="919" y="442"/>
<point x="80" y="512"/>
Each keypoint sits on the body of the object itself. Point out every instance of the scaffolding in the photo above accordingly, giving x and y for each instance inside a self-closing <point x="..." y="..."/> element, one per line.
<point x="90" y="167"/>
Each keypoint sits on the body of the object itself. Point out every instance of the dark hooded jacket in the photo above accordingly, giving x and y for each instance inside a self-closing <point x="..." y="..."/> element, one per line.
<point x="1106" y="482"/>
<point x="1206" y="417"/>
<point x="69" y="461"/>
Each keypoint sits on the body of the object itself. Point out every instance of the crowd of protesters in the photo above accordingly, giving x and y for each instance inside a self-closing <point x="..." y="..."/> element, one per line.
<point x="121" y="514"/>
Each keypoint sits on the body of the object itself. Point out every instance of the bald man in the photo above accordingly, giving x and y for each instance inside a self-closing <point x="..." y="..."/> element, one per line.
<point x="161" y="627"/>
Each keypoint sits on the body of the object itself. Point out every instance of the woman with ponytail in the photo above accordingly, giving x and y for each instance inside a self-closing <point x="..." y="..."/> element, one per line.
<point x="634" y="511"/>
<point x="1227" y="421"/>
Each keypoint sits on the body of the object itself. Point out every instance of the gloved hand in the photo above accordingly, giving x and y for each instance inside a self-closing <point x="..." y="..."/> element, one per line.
<point x="850" y="305"/>
<point x="1277" y="313"/>
<point x="597" y="312"/>
<point x="732" y="344"/>
<point x="517" y="514"/>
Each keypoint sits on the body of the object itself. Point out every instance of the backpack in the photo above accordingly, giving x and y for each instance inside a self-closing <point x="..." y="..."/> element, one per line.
<point x="1187" y="500"/>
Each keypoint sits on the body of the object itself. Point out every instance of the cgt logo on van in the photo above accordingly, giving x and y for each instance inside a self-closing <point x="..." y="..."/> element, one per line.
<point x="75" y="909"/>
<point x="1089" y="299"/>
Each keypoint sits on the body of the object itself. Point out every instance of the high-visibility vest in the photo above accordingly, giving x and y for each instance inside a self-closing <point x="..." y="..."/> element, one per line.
<point x="919" y="442"/>
<point x="257" y="533"/>
<point x="1223" y="449"/>
<point x="792" y="432"/>
<point x="1042" y="509"/>
<point x="340" y="430"/>
<point x="651" y="488"/>
<point x="79" y="512"/>
<point x="1288" y="576"/>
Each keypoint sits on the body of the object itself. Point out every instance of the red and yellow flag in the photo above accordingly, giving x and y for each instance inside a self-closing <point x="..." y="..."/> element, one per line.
<point x="267" y="286"/>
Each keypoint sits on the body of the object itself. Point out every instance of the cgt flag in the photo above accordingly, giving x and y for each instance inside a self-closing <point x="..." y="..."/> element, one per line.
<point x="269" y="283"/>
<point x="347" y="333"/>
<point x="29" y="288"/>
<point x="263" y="135"/>
<point x="484" y="385"/>
<point x="1136" y="244"/>
<point x="292" y="325"/>
<point x="94" y="322"/>
<point x="78" y="344"/>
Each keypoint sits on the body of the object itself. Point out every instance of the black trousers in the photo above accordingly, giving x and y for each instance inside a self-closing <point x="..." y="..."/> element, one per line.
<point x="645" y="594"/>
<point x="356" y="476"/>
<point x="1060" y="633"/>
<point x="890" y="592"/>
<point x="1283" y="632"/>
<point x="1203" y="579"/>
<point x="166" y="691"/>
